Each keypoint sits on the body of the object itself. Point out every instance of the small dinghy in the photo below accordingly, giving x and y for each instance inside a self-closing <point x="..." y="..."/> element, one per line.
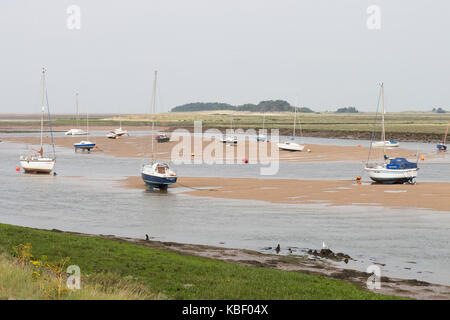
<point x="229" y="139"/>
<point x="442" y="146"/>
<point x="385" y="144"/>
<point x="111" y="135"/>
<point x="35" y="162"/>
<point x="160" y="138"/>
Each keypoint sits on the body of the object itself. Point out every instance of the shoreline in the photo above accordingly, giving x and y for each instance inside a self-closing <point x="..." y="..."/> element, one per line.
<point x="410" y="288"/>
<point x="424" y="195"/>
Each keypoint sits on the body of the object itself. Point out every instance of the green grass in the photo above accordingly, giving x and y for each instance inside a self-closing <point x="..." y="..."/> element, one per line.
<point x="178" y="276"/>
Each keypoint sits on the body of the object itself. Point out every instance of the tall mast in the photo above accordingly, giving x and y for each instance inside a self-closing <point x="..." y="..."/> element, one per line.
<point x="43" y="105"/>
<point x="445" y="135"/>
<point x="78" y="114"/>
<point x="383" y="130"/>
<point x="153" y="112"/>
<point x="295" y="119"/>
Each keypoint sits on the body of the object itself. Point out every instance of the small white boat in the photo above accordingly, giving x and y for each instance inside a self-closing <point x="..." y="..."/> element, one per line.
<point x="229" y="139"/>
<point x="385" y="144"/>
<point x="111" y="135"/>
<point x="262" y="137"/>
<point x="120" y="132"/>
<point x="77" y="131"/>
<point x="289" y="145"/>
<point x="442" y="146"/>
<point x="37" y="163"/>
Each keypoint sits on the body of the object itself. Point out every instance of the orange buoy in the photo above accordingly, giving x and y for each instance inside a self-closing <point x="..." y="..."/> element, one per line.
<point x="96" y="147"/>
<point x="359" y="146"/>
<point x="423" y="158"/>
<point x="17" y="169"/>
<point x="358" y="178"/>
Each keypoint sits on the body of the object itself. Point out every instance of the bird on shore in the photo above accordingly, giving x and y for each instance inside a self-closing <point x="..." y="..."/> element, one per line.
<point x="324" y="245"/>
<point x="147" y="237"/>
<point x="277" y="249"/>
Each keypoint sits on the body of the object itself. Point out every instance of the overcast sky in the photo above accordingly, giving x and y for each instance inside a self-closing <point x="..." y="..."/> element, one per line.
<point x="315" y="53"/>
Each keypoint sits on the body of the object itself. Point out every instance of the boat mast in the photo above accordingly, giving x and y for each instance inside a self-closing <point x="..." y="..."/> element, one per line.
<point x="445" y="135"/>
<point x="43" y="108"/>
<point x="153" y="112"/>
<point x="76" y="105"/>
<point x="383" y="130"/>
<point x="295" y="120"/>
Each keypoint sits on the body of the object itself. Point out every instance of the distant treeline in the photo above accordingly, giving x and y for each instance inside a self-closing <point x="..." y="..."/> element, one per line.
<point x="263" y="106"/>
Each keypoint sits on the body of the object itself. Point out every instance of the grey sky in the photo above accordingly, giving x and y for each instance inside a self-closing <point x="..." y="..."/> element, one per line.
<point x="318" y="53"/>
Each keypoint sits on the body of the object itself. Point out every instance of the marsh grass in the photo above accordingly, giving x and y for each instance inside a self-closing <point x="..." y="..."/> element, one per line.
<point x="141" y="271"/>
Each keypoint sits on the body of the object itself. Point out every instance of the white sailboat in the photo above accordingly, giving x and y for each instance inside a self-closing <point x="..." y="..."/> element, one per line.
<point x="77" y="131"/>
<point x="120" y="132"/>
<point x="262" y="137"/>
<point x="289" y="145"/>
<point x="230" y="138"/>
<point x="442" y="146"/>
<point x="391" y="170"/>
<point x="36" y="162"/>
<point x="157" y="174"/>
<point x="384" y="143"/>
<point x="85" y="144"/>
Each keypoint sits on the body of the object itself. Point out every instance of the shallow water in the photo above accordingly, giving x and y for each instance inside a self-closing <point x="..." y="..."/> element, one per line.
<point x="91" y="202"/>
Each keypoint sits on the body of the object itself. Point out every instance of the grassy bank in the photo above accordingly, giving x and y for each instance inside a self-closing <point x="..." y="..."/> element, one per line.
<point x="172" y="275"/>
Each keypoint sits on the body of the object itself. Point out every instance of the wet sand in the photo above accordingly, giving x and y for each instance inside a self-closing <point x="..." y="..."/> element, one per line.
<point x="433" y="196"/>
<point x="140" y="146"/>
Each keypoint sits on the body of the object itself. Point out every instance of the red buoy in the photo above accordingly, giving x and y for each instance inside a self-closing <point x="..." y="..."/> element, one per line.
<point x="245" y="160"/>
<point x="17" y="169"/>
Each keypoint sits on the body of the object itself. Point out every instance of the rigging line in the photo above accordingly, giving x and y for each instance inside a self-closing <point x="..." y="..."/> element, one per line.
<point x="50" y="124"/>
<point x="374" y="125"/>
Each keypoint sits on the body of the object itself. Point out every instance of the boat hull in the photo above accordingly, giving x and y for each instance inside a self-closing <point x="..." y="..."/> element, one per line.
<point x="37" y="166"/>
<point x="441" y="147"/>
<point x="386" y="144"/>
<point x="75" y="132"/>
<point x="153" y="181"/>
<point x="392" y="176"/>
<point x="290" y="147"/>
<point x="87" y="147"/>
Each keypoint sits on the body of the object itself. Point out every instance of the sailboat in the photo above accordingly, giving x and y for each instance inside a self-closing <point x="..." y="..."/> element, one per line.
<point x="262" y="137"/>
<point x="442" y="146"/>
<point x="36" y="162"/>
<point x="120" y="132"/>
<point x="76" y="132"/>
<point x="85" y="144"/>
<point x="229" y="138"/>
<point x="289" y="145"/>
<point x="384" y="143"/>
<point x="157" y="174"/>
<point x="391" y="170"/>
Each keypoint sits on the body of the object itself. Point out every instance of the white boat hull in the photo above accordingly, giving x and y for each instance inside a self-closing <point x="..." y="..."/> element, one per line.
<point x="37" y="165"/>
<point x="291" y="146"/>
<point x="386" y="144"/>
<point x="384" y="175"/>
<point x="75" y="132"/>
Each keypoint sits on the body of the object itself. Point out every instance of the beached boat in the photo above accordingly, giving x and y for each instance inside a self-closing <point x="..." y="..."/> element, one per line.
<point x="85" y="144"/>
<point x="442" y="146"/>
<point x="384" y="143"/>
<point x="111" y="135"/>
<point x="228" y="137"/>
<point x="262" y="137"/>
<point x="76" y="131"/>
<point x="119" y="131"/>
<point x="35" y="162"/>
<point x="157" y="174"/>
<point x="290" y="145"/>
<point x="162" y="138"/>
<point x="391" y="170"/>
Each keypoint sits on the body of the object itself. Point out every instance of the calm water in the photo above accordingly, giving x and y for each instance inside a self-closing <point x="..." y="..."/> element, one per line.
<point x="83" y="197"/>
